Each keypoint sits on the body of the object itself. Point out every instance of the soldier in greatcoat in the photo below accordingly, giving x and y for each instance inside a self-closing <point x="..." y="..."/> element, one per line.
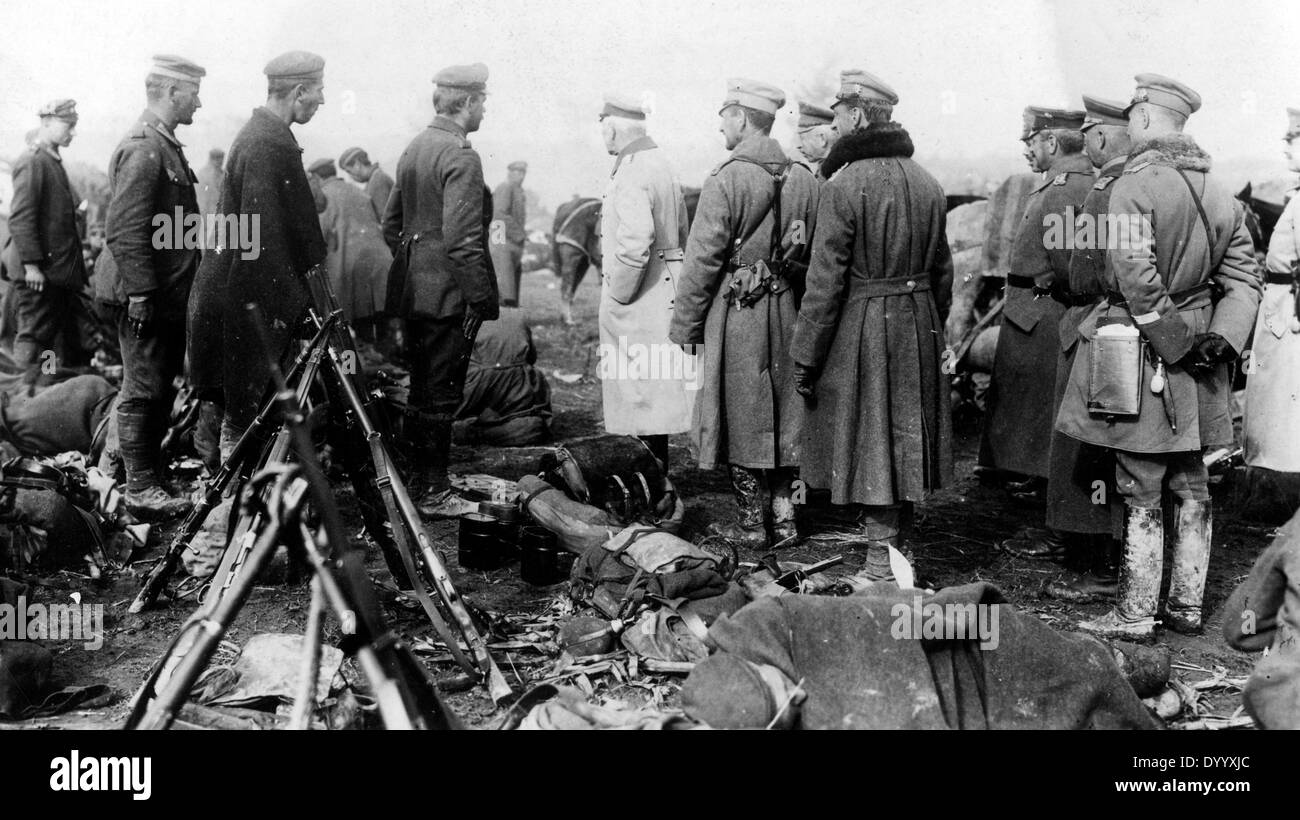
<point x="746" y="260"/>
<point x="1018" y="420"/>
<point x="1273" y="373"/>
<point x="1081" y="476"/>
<point x="358" y="259"/>
<point x="1183" y="274"/>
<point x="869" y="339"/>
<point x="648" y="384"/>
<point x="265" y="196"/>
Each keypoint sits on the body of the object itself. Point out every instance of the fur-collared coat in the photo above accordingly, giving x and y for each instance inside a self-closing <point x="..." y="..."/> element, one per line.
<point x="1147" y="268"/>
<point x="1021" y="397"/>
<point x="879" y="430"/>
<point x="748" y="412"/>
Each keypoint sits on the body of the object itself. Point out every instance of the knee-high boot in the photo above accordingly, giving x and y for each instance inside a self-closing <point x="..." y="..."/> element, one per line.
<point x="1191" y="563"/>
<point x="1133" y="616"/>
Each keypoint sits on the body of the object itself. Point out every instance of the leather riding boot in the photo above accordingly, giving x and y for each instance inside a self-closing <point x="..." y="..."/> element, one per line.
<point x="781" y="505"/>
<point x="1099" y="583"/>
<point x="431" y="439"/>
<point x="749" y="529"/>
<point x="1133" y="617"/>
<point x="1191" y="563"/>
<point x="145" y="497"/>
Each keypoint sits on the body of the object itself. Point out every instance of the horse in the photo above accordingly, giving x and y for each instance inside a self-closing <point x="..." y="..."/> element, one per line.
<point x="575" y="246"/>
<point x="575" y="242"/>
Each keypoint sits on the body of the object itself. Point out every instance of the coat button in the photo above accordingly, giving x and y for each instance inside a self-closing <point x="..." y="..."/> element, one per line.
<point x="911" y="284"/>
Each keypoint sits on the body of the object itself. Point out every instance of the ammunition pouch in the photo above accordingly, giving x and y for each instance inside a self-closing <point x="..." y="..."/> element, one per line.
<point x="748" y="284"/>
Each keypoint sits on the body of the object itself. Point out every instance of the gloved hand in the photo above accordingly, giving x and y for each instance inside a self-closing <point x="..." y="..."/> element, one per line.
<point x="473" y="321"/>
<point x="139" y="315"/>
<point x="487" y="310"/>
<point x="805" y="380"/>
<point x="1208" y="351"/>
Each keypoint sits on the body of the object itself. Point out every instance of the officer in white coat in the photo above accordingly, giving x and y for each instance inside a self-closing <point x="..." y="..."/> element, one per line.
<point x="1273" y="381"/>
<point x="648" y="384"/>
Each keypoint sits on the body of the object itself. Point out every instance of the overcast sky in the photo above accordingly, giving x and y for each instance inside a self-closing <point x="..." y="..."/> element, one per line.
<point x="964" y="70"/>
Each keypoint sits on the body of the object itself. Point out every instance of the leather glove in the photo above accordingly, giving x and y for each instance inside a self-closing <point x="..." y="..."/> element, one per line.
<point x="139" y="316"/>
<point x="486" y="310"/>
<point x="805" y="380"/>
<point x="1208" y="351"/>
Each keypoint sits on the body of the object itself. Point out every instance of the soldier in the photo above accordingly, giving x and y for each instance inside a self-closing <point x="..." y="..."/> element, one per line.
<point x="1273" y="388"/>
<point x="1181" y="273"/>
<point x="358" y="259"/>
<point x="816" y="135"/>
<point x="746" y="260"/>
<point x="509" y="233"/>
<point x="643" y="233"/>
<point x="869" y="336"/>
<point x="1076" y="503"/>
<point x="442" y="284"/>
<point x="266" y="197"/>
<point x="379" y="185"/>
<point x="43" y="221"/>
<point x="146" y="287"/>
<point x="1018" y="420"/>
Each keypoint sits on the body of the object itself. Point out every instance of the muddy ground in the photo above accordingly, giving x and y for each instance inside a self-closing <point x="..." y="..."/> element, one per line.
<point x="954" y="542"/>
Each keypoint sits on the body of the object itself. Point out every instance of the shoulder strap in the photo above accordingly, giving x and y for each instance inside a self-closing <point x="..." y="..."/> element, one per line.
<point x="1205" y="220"/>
<point x="778" y="181"/>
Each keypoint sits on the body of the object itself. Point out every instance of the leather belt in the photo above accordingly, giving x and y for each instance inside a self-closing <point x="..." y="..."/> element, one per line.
<point x="894" y="286"/>
<point x="1020" y="281"/>
<point x="670" y="254"/>
<point x="1070" y="299"/>
<point x="1271" y="278"/>
<point x="1190" y="299"/>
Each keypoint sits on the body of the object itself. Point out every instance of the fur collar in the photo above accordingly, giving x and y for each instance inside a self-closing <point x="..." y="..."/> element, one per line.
<point x="884" y="139"/>
<point x="1175" y="150"/>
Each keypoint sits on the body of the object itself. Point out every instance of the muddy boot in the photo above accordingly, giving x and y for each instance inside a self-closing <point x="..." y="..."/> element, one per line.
<point x="430" y="437"/>
<point x="1099" y="584"/>
<point x="749" y="529"/>
<point x="1191" y="562"/>
<point x="1133" y="617"/>
<point x="781" y="506"/>
<point x="145" y="497"/>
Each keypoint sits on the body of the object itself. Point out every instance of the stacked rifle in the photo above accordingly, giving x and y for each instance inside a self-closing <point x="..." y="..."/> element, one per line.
<point x="285" y="494"/>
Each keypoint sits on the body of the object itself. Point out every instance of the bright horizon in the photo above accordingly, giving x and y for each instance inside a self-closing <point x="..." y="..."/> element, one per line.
<point x="964" y="72"/>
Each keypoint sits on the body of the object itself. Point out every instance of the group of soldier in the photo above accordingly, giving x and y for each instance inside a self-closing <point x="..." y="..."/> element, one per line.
<point x="818" y="286"/>
<point x="810" y="290"/>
